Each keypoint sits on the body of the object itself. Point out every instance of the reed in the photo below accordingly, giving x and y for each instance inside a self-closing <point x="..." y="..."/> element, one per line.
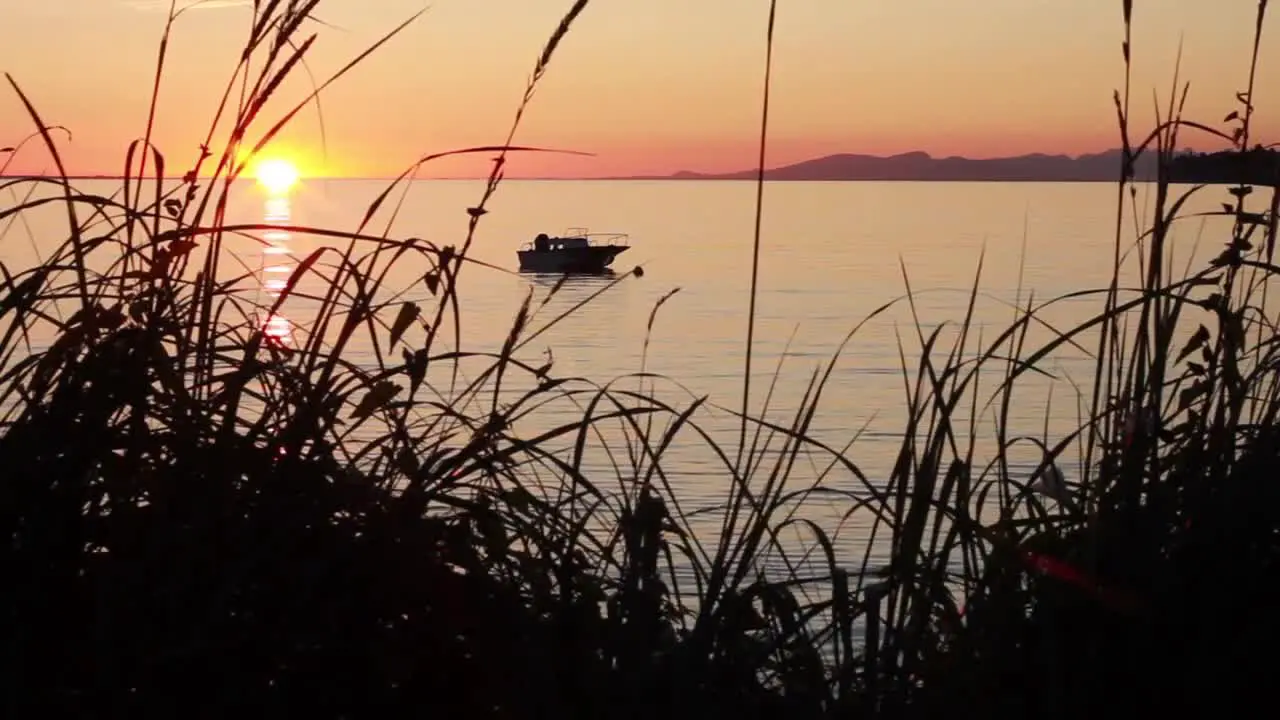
<point x="200" y="519"/>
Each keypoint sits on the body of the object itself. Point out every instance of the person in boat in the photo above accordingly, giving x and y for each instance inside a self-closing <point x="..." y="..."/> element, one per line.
<point x="542" y="243"/>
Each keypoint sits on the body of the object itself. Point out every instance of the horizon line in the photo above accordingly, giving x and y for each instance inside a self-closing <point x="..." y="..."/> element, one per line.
<point x="600" y="178"/>
<point x="682" y="174"/>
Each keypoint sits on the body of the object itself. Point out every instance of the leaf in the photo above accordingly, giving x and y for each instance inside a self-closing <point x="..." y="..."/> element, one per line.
<point x="1196" y="342"/>
<point x="1189" y="395"/>
<point x="493" y="534"/>
<point x="408" y="313"/>
<point x="518" y="498"/>
<point x="110" y="318"/>
<point x="376" y="398"/>
<point x="330" y="406"/>
<point x="432" y="279"/>
<point x="407" y="462"/>
<point x="476" y="212"/>
<point x="300" y="270"/>
<point x="1233" y="330"/>
<point x="1233" y="115"/>
<point x="1225" y="258"/>
<point x="415" y="364"/>
<point x="8" y="150"/>
<point x="542" y="372"/>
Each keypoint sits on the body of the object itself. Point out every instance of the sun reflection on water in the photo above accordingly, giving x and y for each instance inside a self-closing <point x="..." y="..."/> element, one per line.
<point x="277" y="178"/>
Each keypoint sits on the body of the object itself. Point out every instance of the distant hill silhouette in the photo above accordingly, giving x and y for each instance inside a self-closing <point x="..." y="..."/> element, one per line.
<point x="1260" y="166"/>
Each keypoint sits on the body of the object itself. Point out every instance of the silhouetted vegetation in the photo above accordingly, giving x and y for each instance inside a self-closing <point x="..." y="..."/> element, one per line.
<point x="1256" y="166"/>
<point x="202" y="521"/>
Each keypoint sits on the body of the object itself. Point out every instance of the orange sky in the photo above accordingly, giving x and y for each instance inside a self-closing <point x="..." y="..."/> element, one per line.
<point x="649" y="86"/>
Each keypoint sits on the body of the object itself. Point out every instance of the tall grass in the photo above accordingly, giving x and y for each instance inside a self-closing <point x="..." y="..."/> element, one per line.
<point x="199" y="519"/>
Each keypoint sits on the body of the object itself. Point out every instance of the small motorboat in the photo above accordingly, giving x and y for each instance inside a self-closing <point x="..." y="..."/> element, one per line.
<point x="576" y="251"/>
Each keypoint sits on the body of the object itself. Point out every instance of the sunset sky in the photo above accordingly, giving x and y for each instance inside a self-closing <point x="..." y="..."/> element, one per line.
<point x="649" y="86"/>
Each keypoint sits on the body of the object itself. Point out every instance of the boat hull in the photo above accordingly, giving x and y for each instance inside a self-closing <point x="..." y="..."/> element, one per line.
<point x="584" y="260"/>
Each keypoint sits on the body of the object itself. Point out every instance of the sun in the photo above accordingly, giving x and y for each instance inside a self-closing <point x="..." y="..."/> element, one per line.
<point x="277" y="175"/>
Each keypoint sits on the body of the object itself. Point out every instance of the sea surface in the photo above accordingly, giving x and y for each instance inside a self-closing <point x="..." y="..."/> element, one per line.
<point x="832" y="255"/>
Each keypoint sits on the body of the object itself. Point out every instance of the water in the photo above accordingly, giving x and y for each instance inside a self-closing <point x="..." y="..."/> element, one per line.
<point x="832" y="254"/>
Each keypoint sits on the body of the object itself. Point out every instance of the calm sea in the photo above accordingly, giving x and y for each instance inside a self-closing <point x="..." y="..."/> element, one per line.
<point x="832" y="254"/>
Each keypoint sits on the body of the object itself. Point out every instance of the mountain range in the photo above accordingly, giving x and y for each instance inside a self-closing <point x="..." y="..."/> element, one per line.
<point x="920" y="166"/>
<point x="1258" y="166"/>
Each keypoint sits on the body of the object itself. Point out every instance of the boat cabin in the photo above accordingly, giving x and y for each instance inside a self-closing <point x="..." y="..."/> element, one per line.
<point x="545" y="243"/>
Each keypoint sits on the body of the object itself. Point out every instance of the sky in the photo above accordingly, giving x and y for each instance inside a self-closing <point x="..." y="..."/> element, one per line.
<point x="646" y="86"/>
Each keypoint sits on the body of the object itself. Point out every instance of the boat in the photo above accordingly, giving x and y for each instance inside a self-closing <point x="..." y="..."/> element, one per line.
<point x="574" y="251"/>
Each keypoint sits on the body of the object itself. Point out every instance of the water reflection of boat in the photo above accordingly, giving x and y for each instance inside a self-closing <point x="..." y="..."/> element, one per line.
<point x="576" y="251"/>
<point x="568" y="289"/>
<point x="550" y="280"/>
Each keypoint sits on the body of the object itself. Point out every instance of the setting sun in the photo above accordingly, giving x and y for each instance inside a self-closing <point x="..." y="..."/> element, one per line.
<point x="276" y="175"/>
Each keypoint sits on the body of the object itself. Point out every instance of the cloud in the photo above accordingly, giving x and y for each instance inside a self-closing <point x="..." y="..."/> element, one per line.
<point x="185" y="5"/>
